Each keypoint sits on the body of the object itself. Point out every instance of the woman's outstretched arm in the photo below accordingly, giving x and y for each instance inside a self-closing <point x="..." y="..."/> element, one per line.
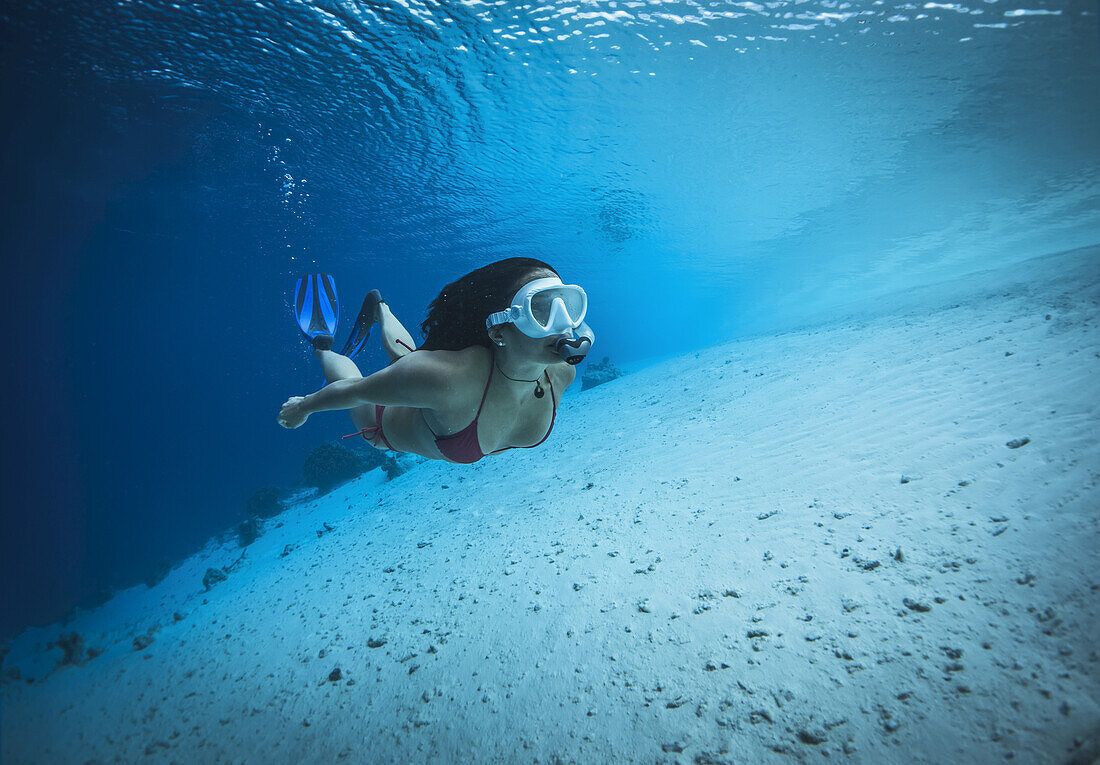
<point x="422" y="379"/>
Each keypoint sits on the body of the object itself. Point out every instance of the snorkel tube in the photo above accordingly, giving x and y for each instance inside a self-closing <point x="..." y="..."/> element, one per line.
<point x="574" y="349"/>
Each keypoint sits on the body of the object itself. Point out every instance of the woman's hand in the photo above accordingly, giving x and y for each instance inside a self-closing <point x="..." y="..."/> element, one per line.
<point x="293" y="413"/>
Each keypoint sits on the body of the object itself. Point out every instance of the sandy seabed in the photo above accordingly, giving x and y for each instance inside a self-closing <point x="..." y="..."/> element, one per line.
<point x="872" y="540"/>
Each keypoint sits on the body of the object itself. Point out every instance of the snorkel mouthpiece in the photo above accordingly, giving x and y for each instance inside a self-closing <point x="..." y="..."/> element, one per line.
<point x="574" y="349"/>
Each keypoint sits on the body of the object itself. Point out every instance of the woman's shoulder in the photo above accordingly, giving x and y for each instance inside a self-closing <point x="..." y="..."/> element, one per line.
<point x="474" y="356"/>
<point x="471" y="365"/>
<point x="466" y="368"/>
<point x="461" y="378"/>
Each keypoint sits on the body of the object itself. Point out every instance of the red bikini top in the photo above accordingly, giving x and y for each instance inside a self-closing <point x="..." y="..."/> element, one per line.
<point x="464" y="446"/>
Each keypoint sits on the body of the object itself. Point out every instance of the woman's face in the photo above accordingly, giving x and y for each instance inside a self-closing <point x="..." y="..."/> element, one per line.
<point x="539" y="349"/>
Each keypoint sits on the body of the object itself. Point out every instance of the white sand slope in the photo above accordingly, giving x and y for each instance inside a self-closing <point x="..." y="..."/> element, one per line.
<point x="716" y="559"/>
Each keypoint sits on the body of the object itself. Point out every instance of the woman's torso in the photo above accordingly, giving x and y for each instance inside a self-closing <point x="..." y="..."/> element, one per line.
<point x="501" y="423"/>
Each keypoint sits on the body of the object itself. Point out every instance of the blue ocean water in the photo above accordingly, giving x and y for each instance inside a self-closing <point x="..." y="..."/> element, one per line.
<point x="705" y="170"/>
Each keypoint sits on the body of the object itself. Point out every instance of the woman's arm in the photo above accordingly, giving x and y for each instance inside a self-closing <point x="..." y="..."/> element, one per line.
<point x="422" y="379"/>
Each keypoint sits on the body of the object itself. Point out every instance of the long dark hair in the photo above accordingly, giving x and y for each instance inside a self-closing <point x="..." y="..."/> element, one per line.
<point x="456" y="318"/>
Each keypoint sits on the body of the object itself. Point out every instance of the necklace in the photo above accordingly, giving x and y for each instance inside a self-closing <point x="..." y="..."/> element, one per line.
<point x="539" y="392"/>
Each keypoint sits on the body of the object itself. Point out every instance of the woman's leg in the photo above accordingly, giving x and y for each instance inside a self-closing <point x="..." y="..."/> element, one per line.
<point x="396" y="340"/>
<point x="336" y="367"/>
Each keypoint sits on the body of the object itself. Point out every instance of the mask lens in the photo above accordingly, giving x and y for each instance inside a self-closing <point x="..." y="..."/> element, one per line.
<point x="542" y="301"/>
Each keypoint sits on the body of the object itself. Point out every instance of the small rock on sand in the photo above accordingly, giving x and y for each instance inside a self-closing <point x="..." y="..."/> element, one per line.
<point x="916" y="605"/>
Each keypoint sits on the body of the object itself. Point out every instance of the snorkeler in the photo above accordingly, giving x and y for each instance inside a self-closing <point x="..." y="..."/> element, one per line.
<point x="477" y="380"/>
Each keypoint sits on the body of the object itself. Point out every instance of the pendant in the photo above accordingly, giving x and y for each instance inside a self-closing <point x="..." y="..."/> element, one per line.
<point x="539" y="393"/>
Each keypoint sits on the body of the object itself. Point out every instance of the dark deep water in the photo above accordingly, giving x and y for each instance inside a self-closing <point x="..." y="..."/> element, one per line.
<point x="125" y="336"/>
<point x="169" y="170"/>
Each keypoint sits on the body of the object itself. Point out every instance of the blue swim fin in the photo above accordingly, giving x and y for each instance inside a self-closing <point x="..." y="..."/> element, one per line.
<point x="368" y="315"/>
<point x="316" y="307"/>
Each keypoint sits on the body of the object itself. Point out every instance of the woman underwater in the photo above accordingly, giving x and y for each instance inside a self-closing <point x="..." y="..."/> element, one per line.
<point x="476" y="385"/>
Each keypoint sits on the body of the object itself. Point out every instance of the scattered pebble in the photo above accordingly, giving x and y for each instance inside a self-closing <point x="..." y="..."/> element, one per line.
<point x="759" y="716"/>
<point x="916" y="605"/>
<point x="811" y="737"/>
